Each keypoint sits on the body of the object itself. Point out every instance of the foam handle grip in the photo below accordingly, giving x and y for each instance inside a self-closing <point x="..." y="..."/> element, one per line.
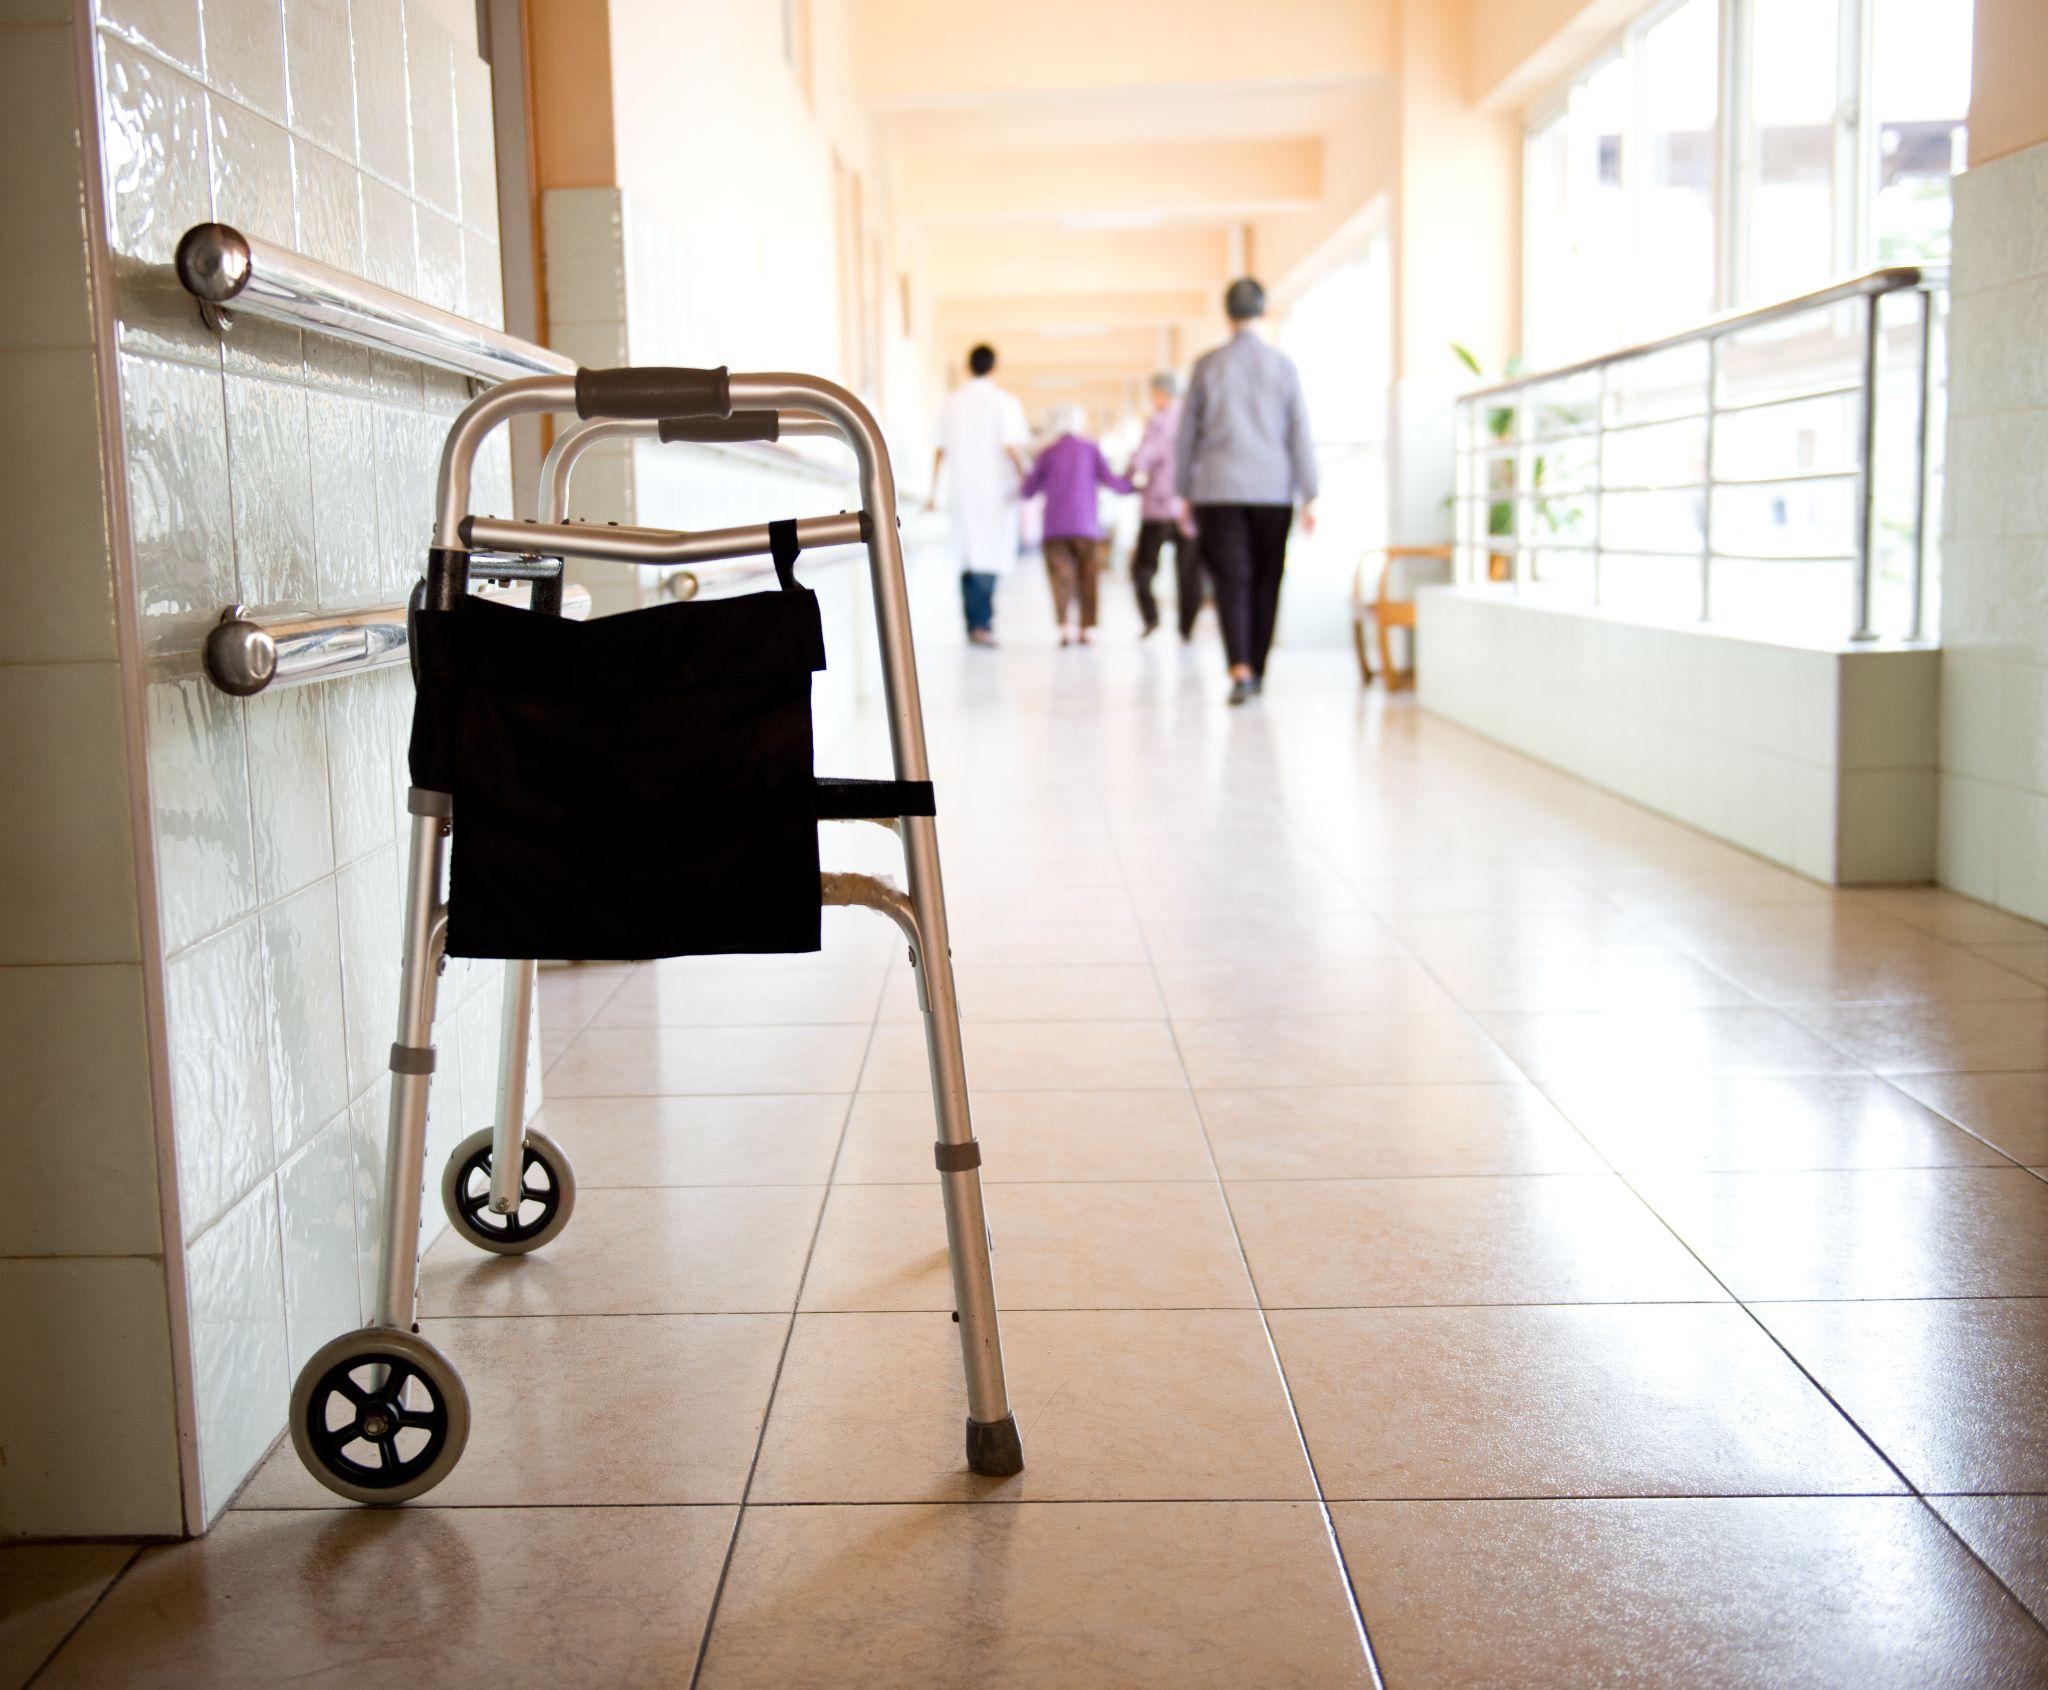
<point x="653" y="394"/>
<point x="741" y="425"/>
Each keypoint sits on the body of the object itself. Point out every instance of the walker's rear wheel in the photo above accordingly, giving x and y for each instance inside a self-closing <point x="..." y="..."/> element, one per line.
<point x="379" y="1416"/>
<point x="547" y="1195"/>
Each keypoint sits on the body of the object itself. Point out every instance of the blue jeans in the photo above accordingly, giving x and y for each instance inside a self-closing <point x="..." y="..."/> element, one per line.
<point x="978" y="595"/>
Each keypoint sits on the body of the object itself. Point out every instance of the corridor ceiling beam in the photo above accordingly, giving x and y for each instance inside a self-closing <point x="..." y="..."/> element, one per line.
<point x="934" y="52"/>
<point x="1154" y="182"/>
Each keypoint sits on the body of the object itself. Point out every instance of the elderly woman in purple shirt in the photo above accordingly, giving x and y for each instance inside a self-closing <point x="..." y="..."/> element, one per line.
<point x="1068" y="472"/>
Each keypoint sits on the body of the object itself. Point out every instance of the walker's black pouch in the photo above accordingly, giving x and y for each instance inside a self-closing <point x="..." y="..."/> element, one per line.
<point x="637" y="786"/>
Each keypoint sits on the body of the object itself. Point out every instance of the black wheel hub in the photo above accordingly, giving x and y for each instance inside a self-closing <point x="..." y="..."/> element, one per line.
<point x="377" y="1440"/>
<point x="542" y="1199"/>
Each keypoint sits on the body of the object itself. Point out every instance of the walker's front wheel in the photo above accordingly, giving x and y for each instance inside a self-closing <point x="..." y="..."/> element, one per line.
<point x="379" y="1416"/>
<point x="547" y="1193"/>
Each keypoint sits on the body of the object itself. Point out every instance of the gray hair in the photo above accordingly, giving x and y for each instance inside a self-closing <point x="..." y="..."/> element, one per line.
<point x="1166" y="382"/>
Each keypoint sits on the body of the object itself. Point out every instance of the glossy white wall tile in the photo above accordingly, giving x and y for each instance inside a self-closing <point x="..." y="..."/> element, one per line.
<point x="1994" y="694"/>
<point x="309" y="1082"/>
<point x="280" y="470"/>
<point x="235" y="1287"/>
<point x="199" y="799"/>
<point x="220" y="1073"/>
<point x="316" y="1197"/>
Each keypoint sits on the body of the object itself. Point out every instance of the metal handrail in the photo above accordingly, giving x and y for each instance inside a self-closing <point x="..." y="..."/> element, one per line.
<point x="1522" y="446"/>
<point x="1894" y="279"/>
<point x="231" y="272"/>
<point x="244" y="656"/>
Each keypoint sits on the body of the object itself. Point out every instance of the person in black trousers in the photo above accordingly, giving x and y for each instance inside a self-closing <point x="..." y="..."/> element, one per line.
<point x="1163" y="516"/>
<point x="1245" y="460"/>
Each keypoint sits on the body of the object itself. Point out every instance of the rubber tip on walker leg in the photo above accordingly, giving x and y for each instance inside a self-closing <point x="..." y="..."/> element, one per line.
<point x="993" y="1448"/>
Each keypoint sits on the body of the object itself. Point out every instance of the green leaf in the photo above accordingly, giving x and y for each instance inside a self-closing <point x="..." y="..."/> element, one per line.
<point x="1464" y="356"/>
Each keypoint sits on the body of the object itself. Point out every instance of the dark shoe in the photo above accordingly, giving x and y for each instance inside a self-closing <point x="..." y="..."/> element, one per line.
<point x="1258" y="685"/>
<point x="1151" y="628"/>
<point x="1239" y="692"/>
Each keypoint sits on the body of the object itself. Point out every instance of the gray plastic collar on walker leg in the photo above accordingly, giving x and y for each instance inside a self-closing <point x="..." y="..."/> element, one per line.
<point x="993" y="1448"/>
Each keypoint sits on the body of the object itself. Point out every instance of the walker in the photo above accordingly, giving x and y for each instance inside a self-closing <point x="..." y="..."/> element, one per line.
<point x="379" y="1415"/>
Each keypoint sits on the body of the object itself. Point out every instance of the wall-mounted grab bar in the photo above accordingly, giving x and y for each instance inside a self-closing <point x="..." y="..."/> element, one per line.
<point x="230" y="272"/>
<point x="244" y="657"/>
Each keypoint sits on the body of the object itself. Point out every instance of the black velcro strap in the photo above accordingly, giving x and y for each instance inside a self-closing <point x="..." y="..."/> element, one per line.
<point x="957" y="1158"/>
<point x="783" y="548"/>
<point x="873" y="800"/>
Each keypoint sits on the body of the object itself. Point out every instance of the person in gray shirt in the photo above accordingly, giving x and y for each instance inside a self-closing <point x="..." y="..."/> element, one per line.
<point x="1245" y="460"/>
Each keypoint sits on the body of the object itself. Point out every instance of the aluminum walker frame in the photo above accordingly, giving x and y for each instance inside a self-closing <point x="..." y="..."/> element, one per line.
<point x="386" y="1380"/>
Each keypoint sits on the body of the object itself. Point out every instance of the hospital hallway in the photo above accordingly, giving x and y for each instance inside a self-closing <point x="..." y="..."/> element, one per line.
<point x="1434" y="1203"/>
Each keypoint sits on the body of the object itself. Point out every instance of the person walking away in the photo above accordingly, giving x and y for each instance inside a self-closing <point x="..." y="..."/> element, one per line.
<point x="981" y="440"/>
<point x="1244" y="459"/>
<point x="1068" y="472"/>
<point x="1163" y="518"/>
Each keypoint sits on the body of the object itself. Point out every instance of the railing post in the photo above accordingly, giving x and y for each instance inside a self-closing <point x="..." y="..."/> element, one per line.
<point x="1599" y="479"/>
<point x="1918" y="624"/>
<point x="1866" y="478"/>
<point x="1707" y="481"/>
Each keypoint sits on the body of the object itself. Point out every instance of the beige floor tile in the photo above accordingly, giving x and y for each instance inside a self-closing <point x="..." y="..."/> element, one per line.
<point x="1203" y="1593"/>
<point x="1950" y="1390"/>
<point x="1710" y="888"/>
<point x="671" y="1061"/>
<point x="577" y="991"/>
<point x="1944" y="1037"/>
<point x="1679" y="1399"/>
<point x="2028" y="958"/>
<point x="1492" y="888"/>
<point x="45" y="1590"/>
<point x="1948" y="915"/>
<point x="1032" y="1136"/>
<point x="1338" y="1050"/>
<point x="1873" y="1232"/>
<point x="1597" y="976"/>
<point x="679" y="1250"/>
<point x="1081" y="1246"/>
<point x="590" y="1410"/>
<point x="1208" y="936"/>
<point x="1048" y="943"/>
<point x="2010" y="1535"/>
<point x="1113" y="1406"/>
<point x="1683" y="1043"/>
<point x="1034" y="1056"/>
<point x="1281" y="984"/>
<point x="1366" y="1132"/>
<point x="2008" y="1110"/>
<point x="412" y="1596"/>
<point x="1862" y="1591"/>
<point x="1527" y="931"/>
<point x="1746" y="1121"/>
<point x="697" y="1140"/>
<point x="707" y="997"/>
<point x="1109" y="992"/>
<point x="1904" y="969"/>
<point x="1564" y="1238"/>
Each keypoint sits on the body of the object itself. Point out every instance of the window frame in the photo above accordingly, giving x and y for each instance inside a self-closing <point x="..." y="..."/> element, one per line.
<point x="1855" y="167"/>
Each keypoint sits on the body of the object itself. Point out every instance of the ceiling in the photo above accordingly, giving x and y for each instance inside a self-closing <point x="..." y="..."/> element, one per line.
<point x="1077" y="178"/>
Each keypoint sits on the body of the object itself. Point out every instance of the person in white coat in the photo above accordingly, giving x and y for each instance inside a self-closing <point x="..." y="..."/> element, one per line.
<point x="982" y="435"/>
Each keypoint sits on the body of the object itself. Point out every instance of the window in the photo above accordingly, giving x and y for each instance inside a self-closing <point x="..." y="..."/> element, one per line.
<point x="1673" y="178"/>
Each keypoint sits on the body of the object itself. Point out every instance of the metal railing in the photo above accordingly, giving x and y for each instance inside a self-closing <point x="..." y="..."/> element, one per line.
<point x="1769" y="468"/>
<point x="230" y="273"/>
<point x="245" y="655"/>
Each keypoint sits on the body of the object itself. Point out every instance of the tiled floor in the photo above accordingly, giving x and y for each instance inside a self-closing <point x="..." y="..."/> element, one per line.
<point x="1427" y="1193"/>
